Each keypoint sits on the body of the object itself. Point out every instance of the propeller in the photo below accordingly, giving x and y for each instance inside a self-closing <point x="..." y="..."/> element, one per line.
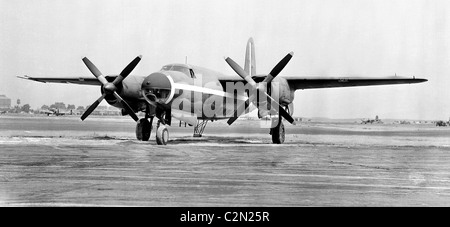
<point x="260" y="88"/>
<point x="111" y="88"/>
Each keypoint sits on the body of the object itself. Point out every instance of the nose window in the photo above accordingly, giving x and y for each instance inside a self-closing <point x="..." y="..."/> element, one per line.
<point x="162" y="93"/>
<point x="158" y="93"/>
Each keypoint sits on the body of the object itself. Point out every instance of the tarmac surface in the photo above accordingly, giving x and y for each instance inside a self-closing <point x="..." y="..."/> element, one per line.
<point x="61" y="161"/>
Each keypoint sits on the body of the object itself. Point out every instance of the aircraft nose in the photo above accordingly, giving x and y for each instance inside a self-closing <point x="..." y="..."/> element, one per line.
<point x="158" y="87"/>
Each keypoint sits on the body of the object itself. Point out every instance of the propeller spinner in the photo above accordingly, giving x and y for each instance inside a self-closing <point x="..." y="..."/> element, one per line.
<point x="111" y="88"/>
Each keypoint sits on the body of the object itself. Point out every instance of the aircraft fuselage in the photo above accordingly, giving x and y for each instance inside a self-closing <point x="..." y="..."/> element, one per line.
<point x="193" y="92"/>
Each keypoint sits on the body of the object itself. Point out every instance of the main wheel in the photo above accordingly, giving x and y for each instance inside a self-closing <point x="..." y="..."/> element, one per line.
<point x="162" y="135"/>
<point x="143" y="129"/>
<point x="278" y="133"/>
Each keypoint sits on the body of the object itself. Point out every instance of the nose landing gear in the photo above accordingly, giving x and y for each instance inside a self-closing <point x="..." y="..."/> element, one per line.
<point x="162" y="134"/>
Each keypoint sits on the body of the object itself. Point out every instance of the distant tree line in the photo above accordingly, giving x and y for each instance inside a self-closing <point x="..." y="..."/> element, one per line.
<point x="57" y="106"/>
<point x="61" y="105"/>
<point x="18" y="109"/>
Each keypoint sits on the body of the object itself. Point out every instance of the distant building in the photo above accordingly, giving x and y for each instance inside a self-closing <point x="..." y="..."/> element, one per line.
<point x="5" y="102"/>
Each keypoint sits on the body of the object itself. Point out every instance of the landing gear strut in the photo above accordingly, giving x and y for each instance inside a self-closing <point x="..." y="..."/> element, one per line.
<point x="198" y="130"/>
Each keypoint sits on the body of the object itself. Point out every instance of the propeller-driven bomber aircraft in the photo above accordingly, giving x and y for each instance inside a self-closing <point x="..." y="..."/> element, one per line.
<point x="197" y="95"/>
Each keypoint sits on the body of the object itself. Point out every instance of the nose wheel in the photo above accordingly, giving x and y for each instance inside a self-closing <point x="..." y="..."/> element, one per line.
<point x="162" y="134"/>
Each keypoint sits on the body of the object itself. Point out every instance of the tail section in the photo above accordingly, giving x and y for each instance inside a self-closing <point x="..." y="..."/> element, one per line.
<point x="250" y="61"/>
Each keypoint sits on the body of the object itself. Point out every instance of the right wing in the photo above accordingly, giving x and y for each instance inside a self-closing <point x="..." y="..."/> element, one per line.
<point x="331" y="82"/>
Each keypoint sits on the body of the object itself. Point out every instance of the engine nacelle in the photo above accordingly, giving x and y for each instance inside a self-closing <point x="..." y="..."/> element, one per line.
<point x="281" y="91"/>
<point x="129" y="90"/>
<point x="111" y="99"/>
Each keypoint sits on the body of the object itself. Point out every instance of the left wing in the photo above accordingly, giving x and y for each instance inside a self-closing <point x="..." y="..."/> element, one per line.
<point x="68" y="80"/>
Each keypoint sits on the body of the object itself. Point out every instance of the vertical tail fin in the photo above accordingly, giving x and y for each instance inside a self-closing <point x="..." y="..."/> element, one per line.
<point x="250" y="61"/>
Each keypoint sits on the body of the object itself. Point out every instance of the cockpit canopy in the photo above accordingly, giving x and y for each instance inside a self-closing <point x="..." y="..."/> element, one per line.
<point x="179" y="68"/>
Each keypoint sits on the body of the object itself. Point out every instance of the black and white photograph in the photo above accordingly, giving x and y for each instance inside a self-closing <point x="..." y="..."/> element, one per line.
<point x="213" y="103"/>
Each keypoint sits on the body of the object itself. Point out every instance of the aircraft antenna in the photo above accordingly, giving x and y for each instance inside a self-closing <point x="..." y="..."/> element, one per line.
<point x="185" y="60"/>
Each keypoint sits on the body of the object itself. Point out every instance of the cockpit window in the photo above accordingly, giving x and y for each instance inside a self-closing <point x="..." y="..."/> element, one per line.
<point x="177" y="68"/>
<point x="192" y="73"/>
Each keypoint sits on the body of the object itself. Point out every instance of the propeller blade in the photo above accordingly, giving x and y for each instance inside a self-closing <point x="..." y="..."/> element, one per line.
<point x="238" y="69"/>
<point x="127" y="107"/>
<point x="232" y="119"/>
<point x="239" y="111"/>
<point x="92" y="107"/>
<point x="261" y="87"/>
<point x="127" y="70"/>
<point x="94" y="70"/>
<point x="280" y="66"/>
<point x="286" y="115"/>
<point x="281" y="110"/>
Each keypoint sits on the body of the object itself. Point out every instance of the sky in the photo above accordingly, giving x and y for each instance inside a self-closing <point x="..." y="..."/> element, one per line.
<point x="330" y="38"/>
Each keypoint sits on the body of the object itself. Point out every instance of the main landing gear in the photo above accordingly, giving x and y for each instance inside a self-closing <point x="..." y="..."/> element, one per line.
<point x="144" y="129"/>
<point x="278" y="133"/>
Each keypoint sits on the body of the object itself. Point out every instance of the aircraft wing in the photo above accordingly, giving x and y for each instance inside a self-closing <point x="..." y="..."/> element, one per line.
<point x="65" y="80"/>
<point x="331" y="82"/>
<point x="294" y="82"/>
